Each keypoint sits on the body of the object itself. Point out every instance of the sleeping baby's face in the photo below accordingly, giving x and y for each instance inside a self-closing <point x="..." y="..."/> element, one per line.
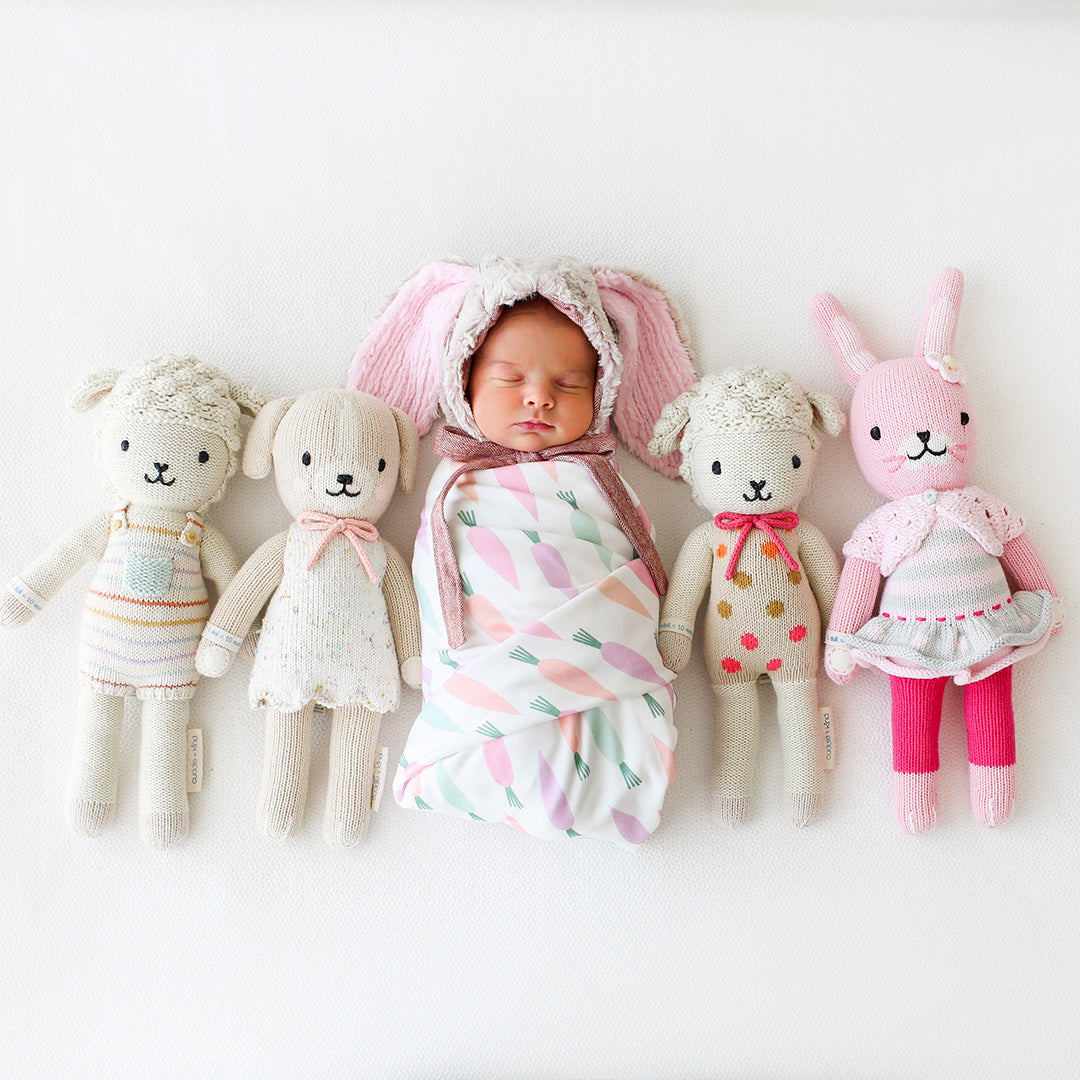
<point x="532" y="382"/>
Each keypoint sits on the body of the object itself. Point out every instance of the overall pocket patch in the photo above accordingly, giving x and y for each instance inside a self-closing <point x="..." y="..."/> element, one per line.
<point x="147" y="578"/>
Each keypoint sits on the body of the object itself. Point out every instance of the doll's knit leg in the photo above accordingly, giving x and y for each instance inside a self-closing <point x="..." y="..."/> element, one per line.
<point x="163" y="801"/>
<point x="801" y="744"/>
<point x="988" y="711"/>
<point x="736" y="749"/>
<point x="286" y="760"/>
<point x="94" y="772"/>
<point x="916" y="721"/>
<point x="354" y="733"/>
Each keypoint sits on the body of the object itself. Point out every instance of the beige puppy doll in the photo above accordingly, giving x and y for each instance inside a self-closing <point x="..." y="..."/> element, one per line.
<point x="168" y="441"/>
<point x="748" y="447"/>
<point x="343" y="611"/>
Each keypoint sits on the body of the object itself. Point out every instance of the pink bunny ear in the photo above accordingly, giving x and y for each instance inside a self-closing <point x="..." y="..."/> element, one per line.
<point x="843" y="337"/>
<point x="940" y="314"/>
<point x="401" y="359"/>
<point x="657" y="366"/>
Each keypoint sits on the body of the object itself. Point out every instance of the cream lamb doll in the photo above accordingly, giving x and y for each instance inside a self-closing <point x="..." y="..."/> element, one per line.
<point x="168" y="440"/>
<point x="342" y="611"/>
<point x="748" y="449"/>
<point x="546" y="704"/>
<point x="965" y="592"/>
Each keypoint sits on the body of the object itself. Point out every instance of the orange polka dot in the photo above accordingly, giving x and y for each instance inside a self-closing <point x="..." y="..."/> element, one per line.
<point x="769" y="550"/>
<point x="721" y="551"/>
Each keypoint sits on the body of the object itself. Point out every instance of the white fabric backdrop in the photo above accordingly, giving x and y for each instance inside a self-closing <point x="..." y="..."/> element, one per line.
<point x="248" y="182"/>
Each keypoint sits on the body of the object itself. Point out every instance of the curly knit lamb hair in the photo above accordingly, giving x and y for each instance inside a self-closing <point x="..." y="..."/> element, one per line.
<point x="174" y="390"/>
<point x="750" y="399"/>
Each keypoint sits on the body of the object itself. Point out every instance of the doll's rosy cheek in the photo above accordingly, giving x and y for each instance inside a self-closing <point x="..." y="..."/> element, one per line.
<point x="301" y="483"/>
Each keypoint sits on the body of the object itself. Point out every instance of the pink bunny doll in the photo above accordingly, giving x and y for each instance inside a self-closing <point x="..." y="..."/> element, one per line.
<point x="966" y="594"/>
<point x="546" y="702"/>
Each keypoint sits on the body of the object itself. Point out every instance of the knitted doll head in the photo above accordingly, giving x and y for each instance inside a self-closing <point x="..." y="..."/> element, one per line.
<point x="169" y="434"/>
<point x="911" y="423"/>
<point x="336" y="452"/>
<point x="419" y="352"/>
<point x="748" y="441"/>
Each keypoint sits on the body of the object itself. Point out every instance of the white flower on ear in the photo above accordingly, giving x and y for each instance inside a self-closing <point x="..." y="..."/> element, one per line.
<point x="947" y="367"/>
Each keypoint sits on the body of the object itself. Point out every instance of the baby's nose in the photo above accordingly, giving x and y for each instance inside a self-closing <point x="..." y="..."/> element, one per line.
<point x="539" y="393"/>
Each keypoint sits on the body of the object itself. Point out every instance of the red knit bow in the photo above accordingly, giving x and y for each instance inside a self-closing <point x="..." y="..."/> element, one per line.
<point x="767" y="523"/>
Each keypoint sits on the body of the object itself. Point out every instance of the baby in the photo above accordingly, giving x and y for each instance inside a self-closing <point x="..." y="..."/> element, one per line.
<point x="547" y="705"/>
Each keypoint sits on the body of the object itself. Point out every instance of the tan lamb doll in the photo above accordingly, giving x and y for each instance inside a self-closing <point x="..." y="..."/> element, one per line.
<point x="748" y="449"/>
<point x="168" y="440"/>
<point x="343" y="610"/>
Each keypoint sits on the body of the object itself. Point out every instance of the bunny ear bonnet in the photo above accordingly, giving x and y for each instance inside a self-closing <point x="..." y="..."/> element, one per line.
<point x="416" y="356"/>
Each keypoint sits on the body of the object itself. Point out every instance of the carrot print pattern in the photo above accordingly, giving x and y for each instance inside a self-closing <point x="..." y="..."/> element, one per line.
<point x="490" y="548"/>
<point x="609" y="744"/>
<point x="564" y="674"/>
<point x="497" y="759"/>
<point x="622" y="658"/>
<point x="585" y="527"/>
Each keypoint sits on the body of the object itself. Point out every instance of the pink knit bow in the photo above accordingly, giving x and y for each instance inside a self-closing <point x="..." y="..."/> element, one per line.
<point x="353" y="529"/>
<point x="593" y="452"/>
<point x="767" y="523"/>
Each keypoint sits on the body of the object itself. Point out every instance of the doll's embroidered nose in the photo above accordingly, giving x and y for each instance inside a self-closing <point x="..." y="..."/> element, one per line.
<point x="757" y="485"/>
<point x="344" y="478"/>
<point x="923" y="435"/>
<point x="160" y="478"/>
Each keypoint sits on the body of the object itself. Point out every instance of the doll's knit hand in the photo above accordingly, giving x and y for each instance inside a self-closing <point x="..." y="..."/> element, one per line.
<point x="251" y="645"/>
<point x="212" y="659"/>
<point x="675" y="649"/>
<point x="839" y="665"/>
<point x="1057" y="616"/>
<point x="412" y="672"/>
<point x="13" y="612"/>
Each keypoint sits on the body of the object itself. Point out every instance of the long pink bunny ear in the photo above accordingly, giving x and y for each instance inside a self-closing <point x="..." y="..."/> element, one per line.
<point x="657" y="366"/>
<point x="400" y="361"/>
<point x="843" y="337"/>
<point x="940" y="314"/>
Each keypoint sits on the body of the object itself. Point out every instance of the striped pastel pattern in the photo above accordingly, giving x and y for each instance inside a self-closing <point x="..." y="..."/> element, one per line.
<point x="144" y="613"/>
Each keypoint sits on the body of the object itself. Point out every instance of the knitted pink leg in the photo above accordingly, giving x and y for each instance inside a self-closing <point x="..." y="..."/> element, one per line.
<point x="991" y="747"/>
<point x="916" y="720"/>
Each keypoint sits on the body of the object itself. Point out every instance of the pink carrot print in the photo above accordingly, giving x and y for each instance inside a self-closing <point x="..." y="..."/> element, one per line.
<point x="555" y="805"/>
<point x="609" y="744"/>
<point x="667" y="758"/>
<point x="411" y="784"/>
<point x="490" y="548"/>
<point x="466" y="484"/>
<point x="541" y="629"/>
<point x="619" y="592"/>
<point x="485" y="614"/>
<point x="642" y="571"/>
<point x="473" y="692"/>
<point x="513" y="479"/>
<point x="565" y="675"/>
<point x="551" y="562"/>
<point x="630" y="829"/>
<point x="622" y="658"/>
<point x="570" y="725"/>
<point x="497" y="759"/>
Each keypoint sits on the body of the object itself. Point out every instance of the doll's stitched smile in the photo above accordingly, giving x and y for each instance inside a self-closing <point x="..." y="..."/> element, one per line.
<point x="924" y="438"/>
<point x="160" y="478"/>
<point x="344" y="479"/>
<point x="757" y="485"/>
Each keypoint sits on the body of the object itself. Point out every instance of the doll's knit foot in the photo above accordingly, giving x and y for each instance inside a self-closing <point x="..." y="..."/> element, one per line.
<point x="804" y="806"/>
<point x="993" y="793"/>
<point x="916" y="801"/>
<point x="90" y="817"/>
<point x="164" y="829"/>
<point x="730" y="809"/>
<point x="344" y="831"/>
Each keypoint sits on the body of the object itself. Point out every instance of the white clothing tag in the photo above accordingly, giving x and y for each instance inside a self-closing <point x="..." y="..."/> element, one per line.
<point x="194" y="759"/>
<point x="828" y="731"/>
<point x="380" y="775"/>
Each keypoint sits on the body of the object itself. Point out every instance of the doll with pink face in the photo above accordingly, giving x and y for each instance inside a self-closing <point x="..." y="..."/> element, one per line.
<point x="965" y="593"/>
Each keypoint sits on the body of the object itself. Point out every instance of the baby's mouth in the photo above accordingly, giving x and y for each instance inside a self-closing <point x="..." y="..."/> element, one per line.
<point x="533" y="425"/>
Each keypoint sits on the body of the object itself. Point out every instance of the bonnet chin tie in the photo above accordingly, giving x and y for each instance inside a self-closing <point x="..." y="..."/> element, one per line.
<point x="767" y="523"/>
<point x="353" y="529"/>
<point x="592" y="451"/>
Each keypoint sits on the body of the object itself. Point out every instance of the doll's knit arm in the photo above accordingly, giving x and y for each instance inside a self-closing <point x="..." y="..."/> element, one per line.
<point x="1024" y="566"/>
<point x="219" y="563"/>
<point x="404" y="614"/>
<point x="50" y="571"/>
<point x="856" y="596"/>
<point x="822" y="570"/>
<point x="686" y="587"/>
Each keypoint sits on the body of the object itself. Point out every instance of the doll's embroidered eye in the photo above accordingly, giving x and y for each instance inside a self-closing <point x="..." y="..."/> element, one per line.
<point x="875" y="433"/>
<point x="796" y="461"/>
<point x="716" y="467"/>
<point x="305" y="457"/>
<point x="204" y="457"/>
<point x="382" y="464"/>
<point x="124" y="445"/>
<point x="964" y="418"/>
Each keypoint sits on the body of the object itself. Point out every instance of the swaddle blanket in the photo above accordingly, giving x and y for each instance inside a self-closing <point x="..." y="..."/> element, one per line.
<point x="555" y="716"/>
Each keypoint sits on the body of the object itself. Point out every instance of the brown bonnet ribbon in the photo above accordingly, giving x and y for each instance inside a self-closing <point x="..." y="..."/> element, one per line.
<point x="591" y="451"/>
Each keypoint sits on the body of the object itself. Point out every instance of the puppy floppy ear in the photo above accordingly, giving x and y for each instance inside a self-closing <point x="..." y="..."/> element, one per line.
<point x="657" y="364"/>
<point x="258" y="450"/>
<point x="93" y="390"/>
<point x="409" y="441"/>
<point x="401" y="359"/>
